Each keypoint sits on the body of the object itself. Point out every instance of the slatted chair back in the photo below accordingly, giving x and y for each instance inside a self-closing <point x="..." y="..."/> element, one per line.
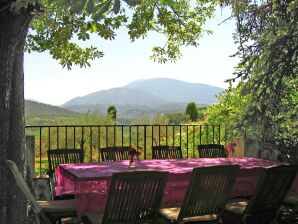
<point x="208" y="191"/>
<point x="212" y="151"/>
<point x="135" y="197"/>
<point x="166" y="152"/>
<point x="114" y="153"/>
<point x="26" y="191"/>
<point x="272" y="189"/>
<point x="61" y="156"/>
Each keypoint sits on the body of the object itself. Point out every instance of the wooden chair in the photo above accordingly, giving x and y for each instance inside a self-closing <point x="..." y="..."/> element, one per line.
<point x="211" y="151"/>
<point x="265" y="202"/>
<point x="289" y="211"/>
<point x="206" y="196"/>
<point x="48" y="211"/>
<point x="114" y="153"/>
<point x="166" y="152"/>
<point x="134" y="197"/>
<point x="61" y="156"/>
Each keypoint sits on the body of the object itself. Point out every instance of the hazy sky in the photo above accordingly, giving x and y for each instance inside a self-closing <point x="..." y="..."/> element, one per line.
<point x="124" y="62"/>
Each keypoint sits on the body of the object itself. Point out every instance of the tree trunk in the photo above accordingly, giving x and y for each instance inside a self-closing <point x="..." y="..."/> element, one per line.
<point x="13" y="31"/>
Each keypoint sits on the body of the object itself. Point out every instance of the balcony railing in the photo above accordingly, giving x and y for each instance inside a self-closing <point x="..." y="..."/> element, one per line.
<point x="93" y="137"/>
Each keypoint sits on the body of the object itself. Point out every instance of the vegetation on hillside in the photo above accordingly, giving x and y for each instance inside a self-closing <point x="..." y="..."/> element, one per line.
<point x="36" y="109"/>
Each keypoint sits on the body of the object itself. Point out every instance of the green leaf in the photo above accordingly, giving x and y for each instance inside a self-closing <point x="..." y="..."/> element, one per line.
<point x="116" y="7"/>
<point x="101" y="9"/>
<point x="78" y="6"/>
<point x="90" y="6"/>
<point x="133" y="2"/>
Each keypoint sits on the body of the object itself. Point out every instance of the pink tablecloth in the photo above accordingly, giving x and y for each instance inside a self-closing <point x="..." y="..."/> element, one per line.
<point x="89" y="182"/>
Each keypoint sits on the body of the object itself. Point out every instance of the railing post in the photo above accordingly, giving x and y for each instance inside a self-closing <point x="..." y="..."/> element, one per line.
<point x="145" y="141"/>
<point x="193" y="140"/>
<point x="40" y="148"/>
<point x="187" y="141"/>
<point x="91" y="157"/>
<point x="219" y="134"/>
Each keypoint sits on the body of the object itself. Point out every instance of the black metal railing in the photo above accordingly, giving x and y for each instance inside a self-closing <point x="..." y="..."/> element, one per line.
<point x="93" y="137"/>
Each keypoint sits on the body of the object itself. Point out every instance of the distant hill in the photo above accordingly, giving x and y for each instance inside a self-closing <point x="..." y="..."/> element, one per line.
<point x="117" y="96"/>
<point x="151" y="93"/>
<point x="176" y="91"/>
<point x="36" y="109"/>
<point x="151" y="96"/>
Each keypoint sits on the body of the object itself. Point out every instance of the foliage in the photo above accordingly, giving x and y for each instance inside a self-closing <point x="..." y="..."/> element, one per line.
<point x="192" y="111"/>
<point x="112" y="112"/>
<point x="230" y="111"/>
<point x="267" y="35"/>
<point x="178" y="118"/>
<point x="230" y="108"/>
<point x="65" y="23"/>
<point x="201" y="114"/>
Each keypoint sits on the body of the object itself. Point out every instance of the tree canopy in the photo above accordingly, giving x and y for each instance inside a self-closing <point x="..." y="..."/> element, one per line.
<point x="267" y="35"/>
<point x="65" y="23"/>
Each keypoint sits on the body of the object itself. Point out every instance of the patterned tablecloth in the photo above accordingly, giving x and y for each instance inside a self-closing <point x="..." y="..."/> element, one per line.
<point x="90" y="181"/>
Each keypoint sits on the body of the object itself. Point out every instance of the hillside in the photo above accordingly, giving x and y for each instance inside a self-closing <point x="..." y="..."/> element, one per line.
<point x="176" y="91"/>
<point x="35" y="109"/>
<point x="117" y="96"/>
<point x="151" y="96"/>
<point x="151" y="93"/>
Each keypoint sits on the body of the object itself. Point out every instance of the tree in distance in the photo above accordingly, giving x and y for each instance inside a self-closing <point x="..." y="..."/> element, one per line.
<point x="112" y="112"/>
<point x="192" y="111"/>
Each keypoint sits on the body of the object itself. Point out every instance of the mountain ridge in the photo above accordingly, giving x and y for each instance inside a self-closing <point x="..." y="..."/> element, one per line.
<point x="38" y="109"/>
<point x="118" y="96"/>
<point x="151" y="92"/>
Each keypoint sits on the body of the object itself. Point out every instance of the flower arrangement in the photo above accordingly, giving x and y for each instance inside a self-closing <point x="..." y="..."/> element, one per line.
<point x="134" y="152"/>
<point x="231" y="148"/>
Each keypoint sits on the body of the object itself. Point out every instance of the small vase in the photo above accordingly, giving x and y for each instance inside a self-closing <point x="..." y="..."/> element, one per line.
<point x="133" y="161"/>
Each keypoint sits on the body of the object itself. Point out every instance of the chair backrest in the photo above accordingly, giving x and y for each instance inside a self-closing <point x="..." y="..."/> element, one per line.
<point x="212" y="151"/>
<point x="135" y="197"/>
<point x="272" y="189"/>
<point x="166" y="152"/>
<point x="60" y="156"/>
<point x="208" y="190"/>
<point x="114" y="153"/>
<point x="26" y="191"/>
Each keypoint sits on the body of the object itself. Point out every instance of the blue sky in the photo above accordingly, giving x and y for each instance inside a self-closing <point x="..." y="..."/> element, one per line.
<point x="124" y="62"/>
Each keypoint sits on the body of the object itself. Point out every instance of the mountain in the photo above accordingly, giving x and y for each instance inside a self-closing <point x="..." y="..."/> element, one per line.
<point x="151" y="96"/>
<point x="177" y="91"/>
<point x="117" y="96"/>
<point x="36" y="109"/>
<point x="151" y="92"/>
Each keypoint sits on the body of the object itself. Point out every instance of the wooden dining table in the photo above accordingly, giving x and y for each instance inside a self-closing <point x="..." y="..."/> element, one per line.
<point x="90" y="181"/>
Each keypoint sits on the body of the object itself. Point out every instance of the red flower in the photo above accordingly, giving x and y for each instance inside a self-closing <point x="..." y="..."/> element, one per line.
<point x="231" y="147"/>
